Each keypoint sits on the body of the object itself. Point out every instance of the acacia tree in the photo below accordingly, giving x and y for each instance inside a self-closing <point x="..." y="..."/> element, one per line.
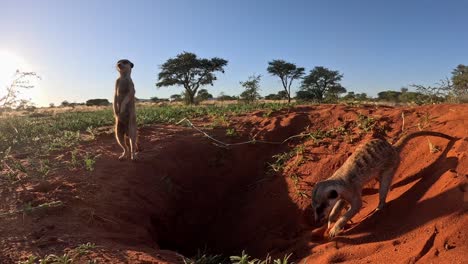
<point x="287" y="72"/>
<point x="319" y="82"/>
<point x="191" y="72"/>
<point x="460" y="80"/>
<point x="11" y="96"/>
<point x="252" y="86"/>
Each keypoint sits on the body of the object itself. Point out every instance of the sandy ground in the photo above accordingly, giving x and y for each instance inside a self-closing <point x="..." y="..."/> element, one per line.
<point x="187" y="193"/>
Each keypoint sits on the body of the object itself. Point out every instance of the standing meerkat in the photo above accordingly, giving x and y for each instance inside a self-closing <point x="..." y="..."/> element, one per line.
<point x="124" y="110"/>
<point x="374" y="159"/>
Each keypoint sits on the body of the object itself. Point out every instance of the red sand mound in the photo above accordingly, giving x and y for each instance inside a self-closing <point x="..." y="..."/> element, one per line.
<point x="187" y="194"/>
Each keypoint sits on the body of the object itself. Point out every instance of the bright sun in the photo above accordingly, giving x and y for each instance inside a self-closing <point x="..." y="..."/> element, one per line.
<point x="9" y="63"/>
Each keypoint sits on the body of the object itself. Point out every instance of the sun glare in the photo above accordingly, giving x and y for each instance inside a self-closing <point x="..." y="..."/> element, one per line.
<point x="10" y="62"/>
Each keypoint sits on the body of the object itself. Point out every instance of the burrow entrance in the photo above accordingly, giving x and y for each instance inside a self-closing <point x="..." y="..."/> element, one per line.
<point x="223" y="201"/>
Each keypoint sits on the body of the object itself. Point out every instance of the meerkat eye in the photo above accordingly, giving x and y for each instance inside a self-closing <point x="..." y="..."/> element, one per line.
<point x="333" y="194"/>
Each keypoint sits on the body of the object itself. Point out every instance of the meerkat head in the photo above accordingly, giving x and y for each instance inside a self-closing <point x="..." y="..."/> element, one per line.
<point x="124" y="66"/>
<point x="324" y="197"/>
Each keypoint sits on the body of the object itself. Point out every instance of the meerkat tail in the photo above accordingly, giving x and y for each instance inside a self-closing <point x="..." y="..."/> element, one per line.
<point x="402" y="141"/>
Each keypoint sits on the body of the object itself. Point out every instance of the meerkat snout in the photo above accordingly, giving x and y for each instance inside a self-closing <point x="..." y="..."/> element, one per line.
<point x="323" y="203"/>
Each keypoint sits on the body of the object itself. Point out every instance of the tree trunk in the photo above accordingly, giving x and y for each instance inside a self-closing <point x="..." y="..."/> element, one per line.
<point x="191" y="98"/>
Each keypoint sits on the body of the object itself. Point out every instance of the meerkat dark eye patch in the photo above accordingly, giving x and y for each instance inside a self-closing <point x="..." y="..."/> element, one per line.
<point x="333" y="194"/>
<point x="320" y="209"/>
<point x="125" y="61"/>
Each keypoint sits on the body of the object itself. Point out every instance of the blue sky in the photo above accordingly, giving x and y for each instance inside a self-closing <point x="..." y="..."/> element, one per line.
<point x="377" y="45"/>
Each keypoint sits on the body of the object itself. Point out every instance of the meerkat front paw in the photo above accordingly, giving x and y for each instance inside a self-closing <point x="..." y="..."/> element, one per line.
<point x="335" y="231"/>
<point x="123" y="156"/>
<point x="134" y="157"/>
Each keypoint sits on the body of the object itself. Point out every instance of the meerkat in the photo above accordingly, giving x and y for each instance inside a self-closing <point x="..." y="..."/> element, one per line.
<point x="124" y="110"/>
<point x="374" y="159"/>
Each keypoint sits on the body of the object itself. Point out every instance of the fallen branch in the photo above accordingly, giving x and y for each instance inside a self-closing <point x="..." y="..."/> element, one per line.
<point x="27" y="210"/>
<point x="253" y="141"/>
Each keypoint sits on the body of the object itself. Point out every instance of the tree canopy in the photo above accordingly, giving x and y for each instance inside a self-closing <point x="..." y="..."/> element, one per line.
<point x="252" y="87"/>
<point x="460" y="80"/>
<point x="320" y="83"/>
<point x="287" y="72"/>
<point x="191" y="72"/>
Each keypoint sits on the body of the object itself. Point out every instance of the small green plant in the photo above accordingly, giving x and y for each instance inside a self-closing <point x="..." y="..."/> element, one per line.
<point x="282" y="158"/>
<point x="424" y="121"/>
<point x="89" y="162"/>
<point x="55" y="259"/>
<point x="342" y="130"/>
<point x="244" y="258"/>
<point x="27" y="208"/>
<point x="90" y="130"/>
<point x="31" y="260"/>
<point x="231" y="132"/>
<point x="205" y="259"/>
<point x="84" y="248"/>
<point x="220" y="121"/>
<point x="267" y="113"/>
<point x="74" y="161"/>
<point x="366" y="123"/>
<point x="66" y="258"/>
<point x="280" y="161"/>
<point x="44" y="168"/>
<point x="65" y="140"/>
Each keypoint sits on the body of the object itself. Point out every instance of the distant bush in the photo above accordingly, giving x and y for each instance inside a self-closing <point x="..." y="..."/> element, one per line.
<point x="281" y="95"/>
<point x="225" y="97"/>
<point x="176" y="98"/>
<point x="158" y="100"/>
<point x="203" y="95"/>
<point x="97" y="102"/>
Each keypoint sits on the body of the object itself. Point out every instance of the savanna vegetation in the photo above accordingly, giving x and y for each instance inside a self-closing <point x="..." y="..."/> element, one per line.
<point x="30" y="136"/>
<point x="320" y="85"/>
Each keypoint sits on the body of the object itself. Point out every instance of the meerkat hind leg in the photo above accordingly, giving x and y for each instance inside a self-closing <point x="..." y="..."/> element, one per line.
<point x="133" y="142"/>
<point x="385" y="179"/>
<point x="121" y="140"/>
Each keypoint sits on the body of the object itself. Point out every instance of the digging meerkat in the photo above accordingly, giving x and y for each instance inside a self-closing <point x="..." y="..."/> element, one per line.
<point x="124" y="110"/>
<point x="374" y="159"/>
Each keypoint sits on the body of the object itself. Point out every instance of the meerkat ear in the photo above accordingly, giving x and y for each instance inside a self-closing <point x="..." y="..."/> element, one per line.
<point x="333" y="194"/>
<point x="131" y="64"/>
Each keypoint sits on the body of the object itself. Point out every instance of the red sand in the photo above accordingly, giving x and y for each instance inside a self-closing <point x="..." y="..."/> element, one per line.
<point x="187" y="194"/>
